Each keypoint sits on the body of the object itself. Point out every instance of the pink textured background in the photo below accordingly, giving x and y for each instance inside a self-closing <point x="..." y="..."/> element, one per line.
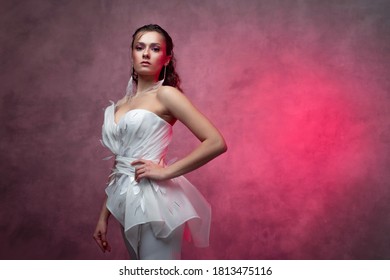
<point x="300" y="89"/>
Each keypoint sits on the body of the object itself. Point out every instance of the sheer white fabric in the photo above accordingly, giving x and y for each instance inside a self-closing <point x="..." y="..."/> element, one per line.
<point x="166" y="205"/>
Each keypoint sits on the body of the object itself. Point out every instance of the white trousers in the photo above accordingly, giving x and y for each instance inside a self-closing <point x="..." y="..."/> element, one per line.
<point x="152" y="248"/>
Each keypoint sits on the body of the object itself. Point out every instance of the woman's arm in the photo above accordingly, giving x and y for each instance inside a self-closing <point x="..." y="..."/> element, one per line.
<point x="212" y="143"/>
<point x="100" y="234"/>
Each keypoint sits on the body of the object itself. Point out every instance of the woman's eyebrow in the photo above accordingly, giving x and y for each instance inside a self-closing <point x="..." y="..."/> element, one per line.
<point x="152" y="44"/>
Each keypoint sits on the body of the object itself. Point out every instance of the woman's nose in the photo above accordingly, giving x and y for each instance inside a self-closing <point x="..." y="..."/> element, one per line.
<point x="145" y="53"/>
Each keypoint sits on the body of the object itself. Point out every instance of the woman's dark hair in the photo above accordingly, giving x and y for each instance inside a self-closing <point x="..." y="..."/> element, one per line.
<point x="171" y="77"/>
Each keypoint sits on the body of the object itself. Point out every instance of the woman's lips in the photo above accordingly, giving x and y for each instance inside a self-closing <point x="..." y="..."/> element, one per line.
<point x="145" y="63"/>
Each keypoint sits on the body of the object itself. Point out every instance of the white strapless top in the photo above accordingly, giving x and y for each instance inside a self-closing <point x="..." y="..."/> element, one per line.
<point x="141" y="134"/>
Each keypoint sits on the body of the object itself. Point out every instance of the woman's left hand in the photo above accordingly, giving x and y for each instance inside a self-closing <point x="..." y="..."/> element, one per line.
<point x="148" y="169"/>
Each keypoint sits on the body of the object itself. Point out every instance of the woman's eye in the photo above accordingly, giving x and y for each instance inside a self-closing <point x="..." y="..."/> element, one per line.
<point x="156" y="49"/>
<point x="138" y="48"/>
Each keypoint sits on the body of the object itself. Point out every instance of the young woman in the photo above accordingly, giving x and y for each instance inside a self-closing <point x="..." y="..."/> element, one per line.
<point x="152" y="201"/>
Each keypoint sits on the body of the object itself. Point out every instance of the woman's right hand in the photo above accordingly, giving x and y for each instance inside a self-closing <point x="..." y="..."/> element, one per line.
<point x="100" y="236"/>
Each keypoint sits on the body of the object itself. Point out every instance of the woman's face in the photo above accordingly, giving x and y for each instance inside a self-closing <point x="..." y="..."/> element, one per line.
<point x="149" y="54"/>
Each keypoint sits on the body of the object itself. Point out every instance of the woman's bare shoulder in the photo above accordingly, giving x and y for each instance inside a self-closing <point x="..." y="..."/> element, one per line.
<point x="169" y="94"/>
<point x="168" y="90"/>
<point x="171" y="97"/>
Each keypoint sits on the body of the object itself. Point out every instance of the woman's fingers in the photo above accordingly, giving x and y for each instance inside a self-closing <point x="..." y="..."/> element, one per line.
<point x="141" y="169"/>
<point x="148" y="169"/>
<point x="105" y="243"/>
<point x="140" y="173"/>
<point x="106" y="246"/>
<point x="101" y="241"/>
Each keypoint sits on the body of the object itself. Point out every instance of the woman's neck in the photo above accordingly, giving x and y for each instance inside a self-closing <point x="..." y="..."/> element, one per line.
<point x="146" y="82"/>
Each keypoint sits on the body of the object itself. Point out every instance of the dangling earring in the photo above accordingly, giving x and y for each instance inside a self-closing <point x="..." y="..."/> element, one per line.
<point x="131" y="85"/>
<point x="165" y="72"/>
